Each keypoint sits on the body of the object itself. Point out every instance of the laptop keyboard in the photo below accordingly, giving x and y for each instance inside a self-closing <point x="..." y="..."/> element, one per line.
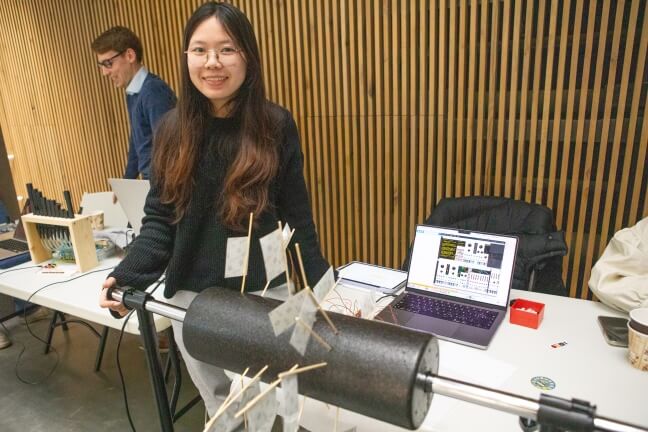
<point x="14" y="245"/>
<point x="449" y="311"/>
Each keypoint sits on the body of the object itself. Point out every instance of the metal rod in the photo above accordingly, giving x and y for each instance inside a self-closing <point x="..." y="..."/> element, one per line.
<point x="166" y="310"/>
<point x="483" y="396"/>
<point x="507" y="402"/>
<point x="603" y="424"/>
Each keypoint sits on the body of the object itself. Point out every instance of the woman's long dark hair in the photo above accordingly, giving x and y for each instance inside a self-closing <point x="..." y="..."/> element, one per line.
<point x="178" y="138"/>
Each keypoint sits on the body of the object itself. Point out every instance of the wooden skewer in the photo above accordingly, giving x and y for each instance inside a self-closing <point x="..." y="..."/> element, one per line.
<point x="243" y="385"/>
<point x="321" y="309"/>
<point x="247" y="255"/>
<point x="337" y="418"/>
<point x="285" y="260"/>
<point x="229" y="396"/>
<point x="315" y="335"/>
<point x="228" y="402"/>
<point x="265" y="288"/>
<point x="260" y="396"/>
<point x="301" y="410"/>
<point x="334" y="285"/>
<point x="257" y="398"/>
<point x="245" y="371"/>
<point x="302" y="369"/>
<point x="301" y="265"/>
<point x="281" y="231"/>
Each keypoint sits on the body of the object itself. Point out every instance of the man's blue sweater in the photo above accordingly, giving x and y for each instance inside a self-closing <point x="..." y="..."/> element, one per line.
<point x="145" y="109"/>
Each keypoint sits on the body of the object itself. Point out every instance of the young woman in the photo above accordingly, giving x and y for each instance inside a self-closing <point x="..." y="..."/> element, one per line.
<point x="223" y="152"/>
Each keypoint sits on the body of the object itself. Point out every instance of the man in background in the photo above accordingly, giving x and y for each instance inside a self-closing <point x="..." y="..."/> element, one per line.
<point x="119" y="56"/>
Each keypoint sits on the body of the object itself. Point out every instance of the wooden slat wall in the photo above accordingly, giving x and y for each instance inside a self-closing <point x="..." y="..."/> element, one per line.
<point x="399" y="104"/>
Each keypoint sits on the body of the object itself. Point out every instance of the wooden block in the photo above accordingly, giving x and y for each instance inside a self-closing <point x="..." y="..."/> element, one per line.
<point x="80" y="229"/>
<point x="83" y="244"/>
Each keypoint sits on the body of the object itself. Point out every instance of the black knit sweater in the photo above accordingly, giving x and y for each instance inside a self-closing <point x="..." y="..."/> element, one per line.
<point x="193" y="250"/>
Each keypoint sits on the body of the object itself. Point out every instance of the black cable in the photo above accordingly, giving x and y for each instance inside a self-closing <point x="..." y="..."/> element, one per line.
<point x="121" y="374"/>
<point x="385" y="296"/>
<point x="21" y="379"/>
<point x="21" y="268"/>
<point x="11" y="270"/>
<point x="119" y="369"/>
<point x="128" y="231"/>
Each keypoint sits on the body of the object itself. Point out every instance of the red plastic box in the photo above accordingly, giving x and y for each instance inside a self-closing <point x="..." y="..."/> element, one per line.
<point x="525" y="318"/>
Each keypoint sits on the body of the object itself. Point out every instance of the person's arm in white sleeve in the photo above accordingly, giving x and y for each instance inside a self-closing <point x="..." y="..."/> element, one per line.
<point x="620" y="276"/>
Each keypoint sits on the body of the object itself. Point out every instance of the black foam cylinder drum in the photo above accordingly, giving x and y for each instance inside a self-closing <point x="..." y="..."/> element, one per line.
<point x="372" y="368"/>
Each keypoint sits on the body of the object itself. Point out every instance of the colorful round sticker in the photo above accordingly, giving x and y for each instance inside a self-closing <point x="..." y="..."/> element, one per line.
<point x="543" y="383"/>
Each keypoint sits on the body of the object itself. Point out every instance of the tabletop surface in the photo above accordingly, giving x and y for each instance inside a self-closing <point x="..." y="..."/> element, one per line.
<point x="78" y="297"/>
<point x="586" y="367"/>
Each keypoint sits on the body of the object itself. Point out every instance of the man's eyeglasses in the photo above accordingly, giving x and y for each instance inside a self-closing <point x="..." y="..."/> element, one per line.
<point x="109" y="62"/>
<point x="223" y="55"/>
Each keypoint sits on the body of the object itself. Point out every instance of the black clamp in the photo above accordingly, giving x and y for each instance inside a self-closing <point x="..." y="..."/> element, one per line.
<point x="131" y="298"/>
<point x="557" y="414"/>
<point x="135" y="299"/>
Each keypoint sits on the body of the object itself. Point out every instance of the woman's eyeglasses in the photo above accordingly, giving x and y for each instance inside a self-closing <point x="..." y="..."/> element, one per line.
<point x="223" y="55"/>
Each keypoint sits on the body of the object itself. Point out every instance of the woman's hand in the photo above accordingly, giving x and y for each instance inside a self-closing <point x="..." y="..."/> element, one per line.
<point x="104" y="302"/>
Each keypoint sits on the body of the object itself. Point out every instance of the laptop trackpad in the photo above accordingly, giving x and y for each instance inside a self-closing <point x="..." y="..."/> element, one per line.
<point x="432" y="325"/>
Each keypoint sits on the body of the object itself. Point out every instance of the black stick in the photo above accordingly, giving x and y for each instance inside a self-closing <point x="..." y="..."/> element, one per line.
<point x="68" y="202"/>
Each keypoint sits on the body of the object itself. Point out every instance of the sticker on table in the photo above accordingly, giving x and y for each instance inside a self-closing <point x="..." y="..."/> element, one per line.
<point x="543" y="383"/>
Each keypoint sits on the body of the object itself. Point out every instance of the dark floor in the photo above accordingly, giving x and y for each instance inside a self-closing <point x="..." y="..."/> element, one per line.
<point x="75" y="398"/>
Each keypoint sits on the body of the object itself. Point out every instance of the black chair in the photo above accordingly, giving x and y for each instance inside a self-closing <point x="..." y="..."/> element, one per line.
<point x="538" y="264"/>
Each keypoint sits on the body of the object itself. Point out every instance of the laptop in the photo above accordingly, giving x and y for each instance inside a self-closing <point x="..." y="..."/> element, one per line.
<point x="131" y="195"/>
<point x="13" y="249"/>
<point x="114" y="216"/>
<point x="458" y="285"/>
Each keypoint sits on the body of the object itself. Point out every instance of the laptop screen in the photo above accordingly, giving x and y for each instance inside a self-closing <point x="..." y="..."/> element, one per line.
<point x="463" y="264"/>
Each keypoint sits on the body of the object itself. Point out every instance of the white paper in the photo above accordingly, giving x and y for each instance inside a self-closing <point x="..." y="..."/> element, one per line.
<point x="274" y="255"/>
<point x="226" y="421"/>
<point x="132" y="196"/>
<point x="286" y="235"/>
<point x="235" y="256"/>
<point x="352" y="300"/>
<point x="114" y="216"/>
<point x="379" y="277"/>
<point x="300" y="337"/>
<point x="324" y="285"/>
<point x="308" y="309"/>
<point x="262" y="415"/>
<point x="62" y="269"/>
<point x="301" y="334"/>
<point x="250" y="393"/>
<point x="283" y="316"/>
<point x="289" y="403"/>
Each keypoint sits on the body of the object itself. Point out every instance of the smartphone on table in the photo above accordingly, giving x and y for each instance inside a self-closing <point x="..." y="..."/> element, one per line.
<point x="615" y="330"/>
